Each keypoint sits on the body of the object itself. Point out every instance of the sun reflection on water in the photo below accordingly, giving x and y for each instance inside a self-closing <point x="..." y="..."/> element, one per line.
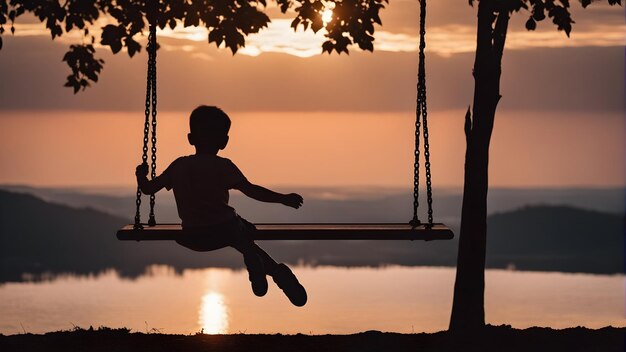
<point x="213" y="317"/>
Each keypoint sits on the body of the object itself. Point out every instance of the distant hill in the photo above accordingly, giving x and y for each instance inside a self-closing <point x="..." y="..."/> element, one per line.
<point x="339" y="204"/>
<point x="557" y="239"/>
<point x="38" y="237"/>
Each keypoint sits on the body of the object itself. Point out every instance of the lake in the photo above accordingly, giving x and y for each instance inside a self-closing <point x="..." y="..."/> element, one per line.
<point x="341" y="301"/>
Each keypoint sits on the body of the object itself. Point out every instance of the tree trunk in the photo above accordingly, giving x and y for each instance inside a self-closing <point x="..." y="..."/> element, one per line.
<point x="468" y="312"/>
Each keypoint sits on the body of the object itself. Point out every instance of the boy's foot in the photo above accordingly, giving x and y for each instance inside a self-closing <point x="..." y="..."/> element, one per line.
<point x="287" y="281"/>
<point x="256" y="274"/>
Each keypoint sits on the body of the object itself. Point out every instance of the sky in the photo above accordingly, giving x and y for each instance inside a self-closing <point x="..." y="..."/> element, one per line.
<point x="303" y="118"/>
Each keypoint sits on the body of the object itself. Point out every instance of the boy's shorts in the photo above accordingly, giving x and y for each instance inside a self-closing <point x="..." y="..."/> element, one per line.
<point x="235" y="233"/>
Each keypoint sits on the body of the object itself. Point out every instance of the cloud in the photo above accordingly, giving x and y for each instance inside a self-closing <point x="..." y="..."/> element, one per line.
<point x="444" y="40"/>
<point x="284" y="70"/>
<point x="557" y="79"/>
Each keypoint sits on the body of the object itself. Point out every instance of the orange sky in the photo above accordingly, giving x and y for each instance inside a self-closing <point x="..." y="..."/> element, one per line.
<point x="301" y="118"/>
<point x="316" y="149"/>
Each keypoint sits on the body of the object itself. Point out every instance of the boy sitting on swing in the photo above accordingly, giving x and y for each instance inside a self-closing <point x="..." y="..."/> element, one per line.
<point x="201" y="183"/>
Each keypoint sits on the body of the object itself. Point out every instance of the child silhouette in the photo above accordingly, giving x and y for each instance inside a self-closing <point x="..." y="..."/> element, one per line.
<point x="201" y="183"/>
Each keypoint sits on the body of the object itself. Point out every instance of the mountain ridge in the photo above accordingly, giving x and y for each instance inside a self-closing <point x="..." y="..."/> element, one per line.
<point x="41" y="237"/>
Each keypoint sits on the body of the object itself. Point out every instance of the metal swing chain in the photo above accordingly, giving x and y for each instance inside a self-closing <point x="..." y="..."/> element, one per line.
<point x="150" y="93"/>
<point x="416" y="165"/>
<point x="153" y="49"/>
<point x="422" y="92"/>
<point x="422" y="111"/>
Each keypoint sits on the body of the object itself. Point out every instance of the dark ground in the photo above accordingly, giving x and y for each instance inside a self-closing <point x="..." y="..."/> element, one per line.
<point x="500" y="338"/>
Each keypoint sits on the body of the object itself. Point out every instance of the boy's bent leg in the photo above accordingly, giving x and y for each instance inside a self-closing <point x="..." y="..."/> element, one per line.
<point x="243" y="242"/>
<point x="252" y="258"/>
<point x="282" y="275"/>
<point x="256" y="273"/>
<point x="268" y="262"/>
<point x="255" y="267"/>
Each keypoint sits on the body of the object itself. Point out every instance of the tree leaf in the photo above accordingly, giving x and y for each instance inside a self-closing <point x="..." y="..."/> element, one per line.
<point x="112" y="36"/>
<point x="539" y="11"/>
<point x="72" y="82"/>
<point x="215" y="36"/>
<point x="132" y="45"/>
<point x="294" y="23"/>
<point x="327" y="46"/>
<point x="317" y="24"/>
<point x="84" y="66"/>
<point x="376" y="19"/>
<point x="191" y="18"/>
<point x="367" y="45"/>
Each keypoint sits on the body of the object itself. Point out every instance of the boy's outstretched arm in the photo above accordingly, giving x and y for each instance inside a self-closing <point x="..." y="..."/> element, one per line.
<point x="146" y="186"/>
<point x="263" y="194"/>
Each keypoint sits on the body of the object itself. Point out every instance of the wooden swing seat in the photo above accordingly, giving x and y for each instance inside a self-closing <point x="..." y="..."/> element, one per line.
<point x="286" y="231"/>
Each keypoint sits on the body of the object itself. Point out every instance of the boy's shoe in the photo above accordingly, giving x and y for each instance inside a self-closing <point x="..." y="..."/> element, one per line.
<point x="287" y="281"/>
<point x="256" y="274"/>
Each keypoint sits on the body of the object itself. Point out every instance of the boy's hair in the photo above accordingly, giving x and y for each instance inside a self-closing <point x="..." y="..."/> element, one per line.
<point x="209" y="121"/>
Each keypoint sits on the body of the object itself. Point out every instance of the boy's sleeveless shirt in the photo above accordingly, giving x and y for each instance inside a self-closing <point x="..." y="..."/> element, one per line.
<point x="201" y="184"/>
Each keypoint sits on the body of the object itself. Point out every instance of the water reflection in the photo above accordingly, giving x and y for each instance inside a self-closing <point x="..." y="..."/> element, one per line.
<point x="341" y="301"/>
<point x="213" y="314"/>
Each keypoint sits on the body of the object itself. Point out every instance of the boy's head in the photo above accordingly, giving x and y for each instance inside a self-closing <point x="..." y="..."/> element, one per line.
<point x="209" y="127"/>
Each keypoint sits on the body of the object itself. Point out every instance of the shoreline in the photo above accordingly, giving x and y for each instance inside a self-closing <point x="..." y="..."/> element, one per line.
<point x="492" y="338"/>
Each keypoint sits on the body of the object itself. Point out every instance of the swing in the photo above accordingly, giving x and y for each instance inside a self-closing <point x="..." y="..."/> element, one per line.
<point x="413" y="230"/>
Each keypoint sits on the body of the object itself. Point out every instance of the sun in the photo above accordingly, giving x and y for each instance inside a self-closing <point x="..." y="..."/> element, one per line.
<point x="327" y="16"/>
<point x="327" y="13"/>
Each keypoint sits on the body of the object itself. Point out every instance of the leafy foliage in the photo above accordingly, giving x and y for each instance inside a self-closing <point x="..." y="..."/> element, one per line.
<point x="352" y="22"/>
<point x="228" y="22"/>
<point x="556" y="10"/>
<point x="85" y="67"/>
